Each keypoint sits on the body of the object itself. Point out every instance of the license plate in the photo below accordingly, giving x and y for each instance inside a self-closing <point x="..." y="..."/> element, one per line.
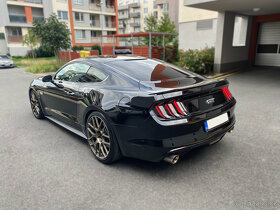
<point x="216" y="121"/>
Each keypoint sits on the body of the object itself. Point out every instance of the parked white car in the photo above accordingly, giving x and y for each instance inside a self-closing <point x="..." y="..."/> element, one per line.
<point x="5" y="61"/>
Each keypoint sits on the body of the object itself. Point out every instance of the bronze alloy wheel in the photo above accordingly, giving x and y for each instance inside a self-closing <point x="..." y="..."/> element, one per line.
<point x="35" y="106"/>
<point x="98" y="137"/>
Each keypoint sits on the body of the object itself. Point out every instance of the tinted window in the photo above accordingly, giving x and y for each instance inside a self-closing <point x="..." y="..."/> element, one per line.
<point x="267" y="48"/>
<point x="72" y="72"/>
<point x="148" y="70"/>
<point x="94" y="75"/>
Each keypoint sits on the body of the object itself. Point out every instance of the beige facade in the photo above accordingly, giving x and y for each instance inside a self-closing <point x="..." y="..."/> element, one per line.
<point x="197" y="27"/>
<point x="132" y="13"/>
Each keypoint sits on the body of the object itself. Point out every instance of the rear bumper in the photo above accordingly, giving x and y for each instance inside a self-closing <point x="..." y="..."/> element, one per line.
<point x="153" y="142"/>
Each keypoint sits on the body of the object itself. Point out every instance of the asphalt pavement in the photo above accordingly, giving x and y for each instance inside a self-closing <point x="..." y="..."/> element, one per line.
<point x="43" y="166"/>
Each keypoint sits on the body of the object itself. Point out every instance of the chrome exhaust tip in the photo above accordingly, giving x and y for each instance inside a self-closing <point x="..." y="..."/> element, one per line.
<point x="231" y="130"/>
<point x="173" y="159"/>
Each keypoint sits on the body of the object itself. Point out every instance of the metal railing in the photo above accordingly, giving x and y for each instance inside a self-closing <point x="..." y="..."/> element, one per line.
<point x="135" y="14"/>
<point x="123" y="7"/>
<point x="110" y="8"/>
<point x="125" y="16"/>
<point x="38" y="18"/>
<point x="134" y="5"/>
<point x="110" y="24"/>
<point x="135" y="24"/>
<point x="95" y="23"/>
<point x="30" y="1"/>
<point x="95" y="39"/>
<point x="17" y="18"/>
<point x="94" y="6"/>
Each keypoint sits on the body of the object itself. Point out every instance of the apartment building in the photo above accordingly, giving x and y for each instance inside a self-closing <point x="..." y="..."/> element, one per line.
<point x="197" y="27"/>
<point x="133" y="13"/>
<point x="87" y="20"/>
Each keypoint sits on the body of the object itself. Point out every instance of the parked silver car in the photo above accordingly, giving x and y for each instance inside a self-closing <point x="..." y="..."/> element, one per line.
<point x="5" y="61"/>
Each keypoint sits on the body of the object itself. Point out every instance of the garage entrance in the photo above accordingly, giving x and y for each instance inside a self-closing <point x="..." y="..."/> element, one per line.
<point x="268" y="44"/>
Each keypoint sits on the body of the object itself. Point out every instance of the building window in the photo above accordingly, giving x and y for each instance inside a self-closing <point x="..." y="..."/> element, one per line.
<point x="165" y="7"/>
<point x="15" y="32"/>
<point x="155" y="4"/>
<point x="145" y="1"/>
<point x="80" y="34"/>
<point x="79" y="16"/>
<point x="145" y="10"/>
<point x="78" y="1"/>
<point x="93" y="33"/>
<point x="204" y="25"/>
<point x="240" y="31"/>
<point x="62" y="15"/>
<point x="2" y="36"/>
<point x="61" y="1"/>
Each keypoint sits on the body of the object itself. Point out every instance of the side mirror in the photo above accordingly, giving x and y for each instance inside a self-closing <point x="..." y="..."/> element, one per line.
<point x="47" y="78"/>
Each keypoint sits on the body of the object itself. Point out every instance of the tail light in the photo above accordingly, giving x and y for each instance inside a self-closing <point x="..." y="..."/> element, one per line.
<point x="171" y="110"/>
<point x="227" y="93"/>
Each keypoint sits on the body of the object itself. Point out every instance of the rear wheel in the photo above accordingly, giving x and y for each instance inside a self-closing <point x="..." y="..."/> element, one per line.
<point x="35" y="105"/>
<point x="101" y="139"/>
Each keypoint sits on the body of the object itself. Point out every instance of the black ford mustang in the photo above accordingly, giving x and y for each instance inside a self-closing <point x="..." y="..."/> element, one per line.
<point x="135" y="107"/>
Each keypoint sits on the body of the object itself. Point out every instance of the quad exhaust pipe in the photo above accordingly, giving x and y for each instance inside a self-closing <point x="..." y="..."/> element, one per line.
<point x="173" y="159"/>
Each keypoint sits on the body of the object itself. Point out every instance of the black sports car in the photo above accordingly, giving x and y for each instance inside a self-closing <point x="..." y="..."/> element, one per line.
<point x="135" y="107"/>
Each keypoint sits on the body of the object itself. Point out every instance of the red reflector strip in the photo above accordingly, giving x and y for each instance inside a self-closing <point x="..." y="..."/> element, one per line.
<point x="177" y="107"/>
<point x="159" y="112"/>
<point x="226" y="93"/>
<point x="169" y="110"/>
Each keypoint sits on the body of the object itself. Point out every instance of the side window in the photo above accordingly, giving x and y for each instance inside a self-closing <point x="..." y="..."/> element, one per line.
<point x="72" y="72"/>
<point x="94" y="75"/>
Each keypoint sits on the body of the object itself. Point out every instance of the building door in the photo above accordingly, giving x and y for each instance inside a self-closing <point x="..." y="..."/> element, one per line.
<point x="268" y="45"/>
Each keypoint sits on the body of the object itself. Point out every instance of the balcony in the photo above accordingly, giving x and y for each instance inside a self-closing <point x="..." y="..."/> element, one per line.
<point x="134" y="5"/>
<point x="110" y="40"/>
<point x="135" y="24"/>
<point x="17" y="18"/>
<point x="110" y="8"/>
<point x="29" y="1"/>
<point x="94" y="6"/>
<point x="95" y="23"/>
<point x="121" y="26"/>
<point x="135" y="14"/>
<point x="125" y="16"/>
<point x="96" y="40"/>
<point x="110" y="24"/>
<point x="15" y="38"/>
<point x="38" y="19"/>
<point x="123" y="7"/>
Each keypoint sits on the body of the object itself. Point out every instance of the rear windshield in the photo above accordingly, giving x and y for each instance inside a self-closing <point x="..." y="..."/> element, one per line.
<point x="148" y="70"/>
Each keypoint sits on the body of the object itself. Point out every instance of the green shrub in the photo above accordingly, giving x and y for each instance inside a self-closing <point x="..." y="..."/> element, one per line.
<point x="199" y="61"/>
<point x="77" y="48"/>
<point x="96" y="47"/>
<point x="40" y="52"/>
<point x="43" y="68"/>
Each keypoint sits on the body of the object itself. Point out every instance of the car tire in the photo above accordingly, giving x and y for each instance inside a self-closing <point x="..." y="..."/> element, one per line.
<point x="101" y="139"/>
<point x="35" y="105"/>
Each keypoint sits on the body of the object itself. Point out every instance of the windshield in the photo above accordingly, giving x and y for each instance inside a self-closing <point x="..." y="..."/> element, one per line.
<point x="4" y="57"/>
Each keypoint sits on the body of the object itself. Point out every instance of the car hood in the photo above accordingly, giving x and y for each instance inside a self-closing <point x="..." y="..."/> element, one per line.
<point x="5" y="60"/>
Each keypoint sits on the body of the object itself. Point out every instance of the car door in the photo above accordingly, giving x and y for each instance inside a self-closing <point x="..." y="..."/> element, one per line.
<point x="61" y="96"/>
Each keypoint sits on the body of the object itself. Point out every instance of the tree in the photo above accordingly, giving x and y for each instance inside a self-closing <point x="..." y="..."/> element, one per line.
<point x="54" y="35"/>
<point x="30" y="39"/>
<point x="165" y="25"/>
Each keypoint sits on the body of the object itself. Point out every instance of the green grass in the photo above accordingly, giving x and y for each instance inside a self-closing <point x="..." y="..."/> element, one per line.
<point x="38" y="65"/>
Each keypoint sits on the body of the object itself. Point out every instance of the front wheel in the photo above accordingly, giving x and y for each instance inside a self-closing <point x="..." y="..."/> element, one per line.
<point x="35" y="105"/>
<point x="101" y="139"/>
